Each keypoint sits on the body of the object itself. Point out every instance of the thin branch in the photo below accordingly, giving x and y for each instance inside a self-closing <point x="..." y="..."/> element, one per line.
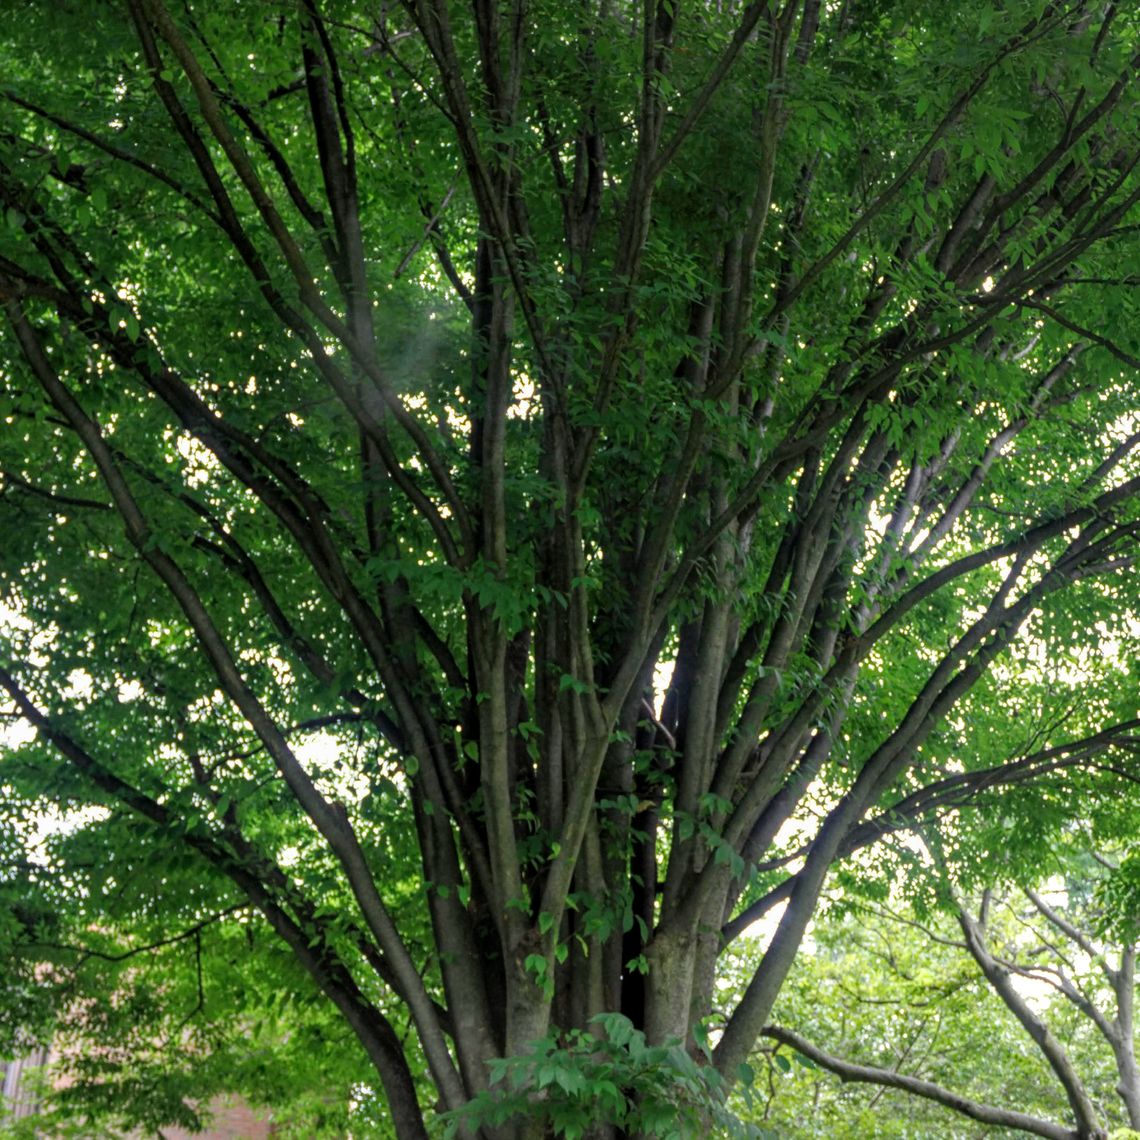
<point x="1058" y="920"/>
<point x="1027" y="35"/>
<point x="86" y="952"/>
<point x="915" y="1086"/>
<point x="429" y="231"/>
<point x="748" y="20"/>
<point x="116" y="152"/>
<point x="11" y="479"/>
<point x="1082" y="331"/>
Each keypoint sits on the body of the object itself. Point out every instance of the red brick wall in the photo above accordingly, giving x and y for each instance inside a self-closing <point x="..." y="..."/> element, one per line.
<point x="232" y="1120"/>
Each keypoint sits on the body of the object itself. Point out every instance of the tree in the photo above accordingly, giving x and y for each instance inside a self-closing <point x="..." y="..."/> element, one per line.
<point x="149" y="1029"/>
<point x="909" y="1040"/>
<point x="614" y="431"/>
<point x="1059" y="960"/>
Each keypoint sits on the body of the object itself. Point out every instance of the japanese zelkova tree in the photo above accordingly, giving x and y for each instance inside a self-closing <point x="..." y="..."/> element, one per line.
<point x="500" y="496"/>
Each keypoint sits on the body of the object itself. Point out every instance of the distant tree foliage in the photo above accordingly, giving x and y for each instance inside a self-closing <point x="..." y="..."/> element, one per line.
<point x="1021" y="996"/>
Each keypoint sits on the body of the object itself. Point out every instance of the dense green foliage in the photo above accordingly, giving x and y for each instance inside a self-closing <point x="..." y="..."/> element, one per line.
<point x="496" y="498"/>
<point x="609" y="1075"/>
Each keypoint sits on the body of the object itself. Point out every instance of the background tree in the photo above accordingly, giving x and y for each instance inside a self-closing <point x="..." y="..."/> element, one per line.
<point x="1058" y="957"/>
<point x="150" y="1021"/>
<point x="615" y="432"/>
<point x="875" y="997"/>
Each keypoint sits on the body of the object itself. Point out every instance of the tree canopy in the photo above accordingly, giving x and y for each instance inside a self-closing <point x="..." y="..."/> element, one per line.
<point x="497" y="498"/>
<point x="906" y="1016"/>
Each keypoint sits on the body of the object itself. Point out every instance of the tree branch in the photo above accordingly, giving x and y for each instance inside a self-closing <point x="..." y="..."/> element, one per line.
<point x="915" y="1086"/>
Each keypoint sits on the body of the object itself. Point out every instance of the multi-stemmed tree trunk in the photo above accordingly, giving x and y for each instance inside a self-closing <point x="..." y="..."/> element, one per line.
<point x="624" y="429"/>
